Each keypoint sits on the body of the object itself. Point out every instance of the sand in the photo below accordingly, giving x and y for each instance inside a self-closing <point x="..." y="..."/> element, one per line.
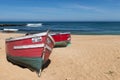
<point x="89" y="57"/>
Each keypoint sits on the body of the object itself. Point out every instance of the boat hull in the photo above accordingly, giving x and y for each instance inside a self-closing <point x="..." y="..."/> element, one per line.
<point x="30" y="51"/>
<point x="61" y="39"/>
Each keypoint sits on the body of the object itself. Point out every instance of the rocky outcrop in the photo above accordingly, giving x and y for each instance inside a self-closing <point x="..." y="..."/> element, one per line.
<point x="3" y="25"/>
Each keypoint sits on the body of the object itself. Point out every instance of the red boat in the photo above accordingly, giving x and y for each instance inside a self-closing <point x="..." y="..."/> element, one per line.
<point x="61" y="39"/>
<point x="30" y="51"/>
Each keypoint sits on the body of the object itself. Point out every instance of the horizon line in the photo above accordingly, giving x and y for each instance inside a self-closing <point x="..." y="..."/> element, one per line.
<point x="59" y="21"/>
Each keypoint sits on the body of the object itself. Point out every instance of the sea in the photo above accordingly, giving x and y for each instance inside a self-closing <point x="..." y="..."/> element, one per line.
<point x="74" y="27"/>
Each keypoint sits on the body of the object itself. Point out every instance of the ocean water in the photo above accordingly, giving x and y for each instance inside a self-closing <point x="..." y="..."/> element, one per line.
<point x="84" y="28"/>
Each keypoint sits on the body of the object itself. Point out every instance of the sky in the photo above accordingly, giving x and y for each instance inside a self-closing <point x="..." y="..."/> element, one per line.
<point x="59" y="10"/>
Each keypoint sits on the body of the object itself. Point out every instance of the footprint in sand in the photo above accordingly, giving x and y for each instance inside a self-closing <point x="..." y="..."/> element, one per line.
<point x="118" y="57"/>
<point x="110" y="73"/>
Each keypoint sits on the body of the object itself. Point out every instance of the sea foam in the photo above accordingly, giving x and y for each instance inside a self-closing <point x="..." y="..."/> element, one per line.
<point x="34" y="25"/>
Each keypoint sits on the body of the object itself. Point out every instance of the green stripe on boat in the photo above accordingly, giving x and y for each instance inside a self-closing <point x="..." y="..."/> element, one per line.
<point x="61" y="44"/>
<point x="31" y="63"/>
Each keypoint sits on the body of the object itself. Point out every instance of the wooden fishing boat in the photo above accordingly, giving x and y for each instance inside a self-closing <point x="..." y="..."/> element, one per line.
<point x="61" y="39"/>
<point x="30" y="51"/>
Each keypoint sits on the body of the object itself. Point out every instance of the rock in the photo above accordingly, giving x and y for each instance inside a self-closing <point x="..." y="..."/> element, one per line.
<point x="3" y="25"/>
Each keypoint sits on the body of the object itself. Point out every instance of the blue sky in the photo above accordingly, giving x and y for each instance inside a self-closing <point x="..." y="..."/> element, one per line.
<point x="60" y="10"/>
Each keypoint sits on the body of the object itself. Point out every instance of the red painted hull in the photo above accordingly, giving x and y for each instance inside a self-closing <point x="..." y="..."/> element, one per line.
<point x="30" y="46"/>
<point x="61" y="39"/>
<point x="58" y="37"/>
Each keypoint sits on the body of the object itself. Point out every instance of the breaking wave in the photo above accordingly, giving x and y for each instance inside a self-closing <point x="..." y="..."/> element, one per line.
<point x="34" y="25"/>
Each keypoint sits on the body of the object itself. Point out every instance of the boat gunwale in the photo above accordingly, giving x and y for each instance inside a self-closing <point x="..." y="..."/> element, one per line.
<point x="59" y="33"/>
<point x="26" y="37"/>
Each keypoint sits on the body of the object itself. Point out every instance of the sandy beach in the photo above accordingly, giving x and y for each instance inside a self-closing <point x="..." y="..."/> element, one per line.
<point x="89" y="57"/>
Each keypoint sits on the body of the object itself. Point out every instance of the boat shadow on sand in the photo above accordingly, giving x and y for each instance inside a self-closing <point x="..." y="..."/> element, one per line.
<point x="45" y="65"/>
